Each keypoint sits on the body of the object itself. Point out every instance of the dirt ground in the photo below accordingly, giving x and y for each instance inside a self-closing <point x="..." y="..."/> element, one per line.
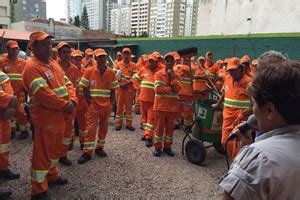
<point x="130" y="171"/>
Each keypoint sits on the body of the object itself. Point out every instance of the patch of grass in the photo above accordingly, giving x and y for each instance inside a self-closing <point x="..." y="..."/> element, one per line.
<point x="259" y="35"/>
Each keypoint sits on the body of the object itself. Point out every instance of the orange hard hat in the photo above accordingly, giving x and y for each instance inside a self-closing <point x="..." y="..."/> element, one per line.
<point x="254" y="62"/>
<point x="38" y="36"/>
<point x="89" y="52"/>
<point x="62" y="44"/>
<point x="209" y="52"/>
<point x="126" y="49"/>
<point x="54" y="50"/>
<point x="233" y="63"/>
<point x="119" y="53"/>
<point x="12" y="44"/>
<point x="201" y="58"/>
<point x="170" y="54"/>
<point x="100" y="52"/>
<point x="220" y="62"/>
<point x="152" y="57"/>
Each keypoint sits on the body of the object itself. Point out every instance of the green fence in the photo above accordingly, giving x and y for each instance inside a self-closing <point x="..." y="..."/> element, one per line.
<point x="222" y="47"/>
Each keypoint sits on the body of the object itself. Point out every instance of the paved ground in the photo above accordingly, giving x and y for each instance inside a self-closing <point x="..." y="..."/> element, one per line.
<point x="129" y="172"/>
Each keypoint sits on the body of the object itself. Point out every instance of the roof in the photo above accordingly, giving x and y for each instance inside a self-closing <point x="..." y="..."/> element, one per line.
<point x="47" y="21"/>
<point x="15" y="35"/>
<point x="99" y="35"/>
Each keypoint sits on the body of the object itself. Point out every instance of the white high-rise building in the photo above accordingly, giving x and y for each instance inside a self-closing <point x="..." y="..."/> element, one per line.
<point x="97" y="13"/>
<point x="73" y="8"/>
<point x="121" y="20"/>
<point x="115" y="20"/>
<point x="4" y="14"/>
<point x="188" y="18"/>
<point x="110" y="5"/>
<point x="167" y="18"/>
<point x="139" y="17"/>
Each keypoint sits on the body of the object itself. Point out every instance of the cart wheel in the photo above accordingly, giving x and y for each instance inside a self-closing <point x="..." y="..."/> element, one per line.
<point x="195" y="151"/>
<point x="219" y="148"/>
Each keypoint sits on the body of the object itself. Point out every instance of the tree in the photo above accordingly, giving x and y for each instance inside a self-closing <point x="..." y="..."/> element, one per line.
<point x="70" y="20"/>
<point x="144" y="34"/>
<point x="76" y="21"/>
<point x="85" y="19"/>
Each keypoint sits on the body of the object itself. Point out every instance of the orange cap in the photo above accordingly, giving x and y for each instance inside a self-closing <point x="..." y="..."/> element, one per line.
<point x="132" y="56"/>
<point x="209" y="52"/>
<point x="12" y="44"/>
<point x="62" y="44"/>
<point x="201" y="58"/>
<point x="157" y="54"/>
<point x="219" y="62"/>
<point x="254" y="62"/>
<point x="233" y="63"/>
<point x="54" y="50"/>
<point x="38" y="36"/>
<point x="76" y="53"/>
<point x="145" y="57"/>
<point x="245" y="58"/>
<point x="169" y="55"/>
<point x="89" y="52"/>
<point x="226" y="60"/>
<point x="100" y="52"/>
<point x="176" y="56"/>
<point x="152" y="57"/>
<point x="126" y="50"/>
<point x="119" y="53"/>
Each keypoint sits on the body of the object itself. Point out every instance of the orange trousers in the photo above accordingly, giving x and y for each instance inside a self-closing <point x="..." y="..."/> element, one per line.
<point x="96" y="114"/>
<point x="124" y="100"/>
<point x="21" y="118"/>
<point x="81" y="111"/>
<point x="231" y="118"/>
<point x="4" y="144"/>
<point x="49" y="134"/>
<point x="137" y="105"/>
<point x="68" y="134"/>
<point x="185" y="112"/>
<point x="148" y="115"/>
<point x="163" y="124"/>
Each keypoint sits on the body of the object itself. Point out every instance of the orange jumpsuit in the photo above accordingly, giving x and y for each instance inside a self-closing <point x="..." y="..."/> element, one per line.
<point x="100" y="87"/>
<point x="14" y="70"/>
<point x="236" y="101"/>
<point x="165" y="107"/>
<point x="199" y="84"/>
<point x="49" y="97"/>
<point x="84" y="62"/>
<point x="146" y="78"/>
<point x="221" y="74"/>
<point x="211" y="70"/>
<point x="137" y="106"/>
<point x="81" y="109"/>
<point x="185" y="94"/>
<point x="72" y="77"/>
<point x="124" y="96"/>
<point x="6" y="92"/>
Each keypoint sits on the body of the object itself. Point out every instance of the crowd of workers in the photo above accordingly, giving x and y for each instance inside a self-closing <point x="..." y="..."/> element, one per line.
<point x="63" y="85"/>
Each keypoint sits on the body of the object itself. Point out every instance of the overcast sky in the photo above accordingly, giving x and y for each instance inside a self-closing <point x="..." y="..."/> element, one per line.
<point x="56" y="9"/>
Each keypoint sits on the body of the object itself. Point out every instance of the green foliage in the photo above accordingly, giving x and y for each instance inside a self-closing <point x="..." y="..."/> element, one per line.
<point x="85" y="19"/>
<point x="144" y="34"/>
<point x="77" y="21"/>
<point x="70" y="20"/>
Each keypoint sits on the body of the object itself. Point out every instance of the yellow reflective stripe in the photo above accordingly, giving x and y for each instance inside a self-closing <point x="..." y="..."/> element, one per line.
<point x="148" y="127"/>
<point x="128" y="117"/>
<point x="14" y="76"/>
<point x="187" y="122"/>
<point x="67" y="141"/>
<point x="237" y="103"/>
<point x="39" y="175"/>
<point x="89" y="145"/>
<point x="4" y="148"/>
<point x="54" y="162"/>
<point x="1" y="89"/>
<point x="67" y="80"/>
<point x="80" y="91"/>
<point x="168" y="139"/>
<point x="136" y="77"/>
<point x="147" y="84"/>
<point x="3" y="78"/>
<point x="37" y="84"/>
<point x="186" y="80"/>
<point x="100" y="93"/>
<point x="158" y="139"/>
<point x="82" y="133"/>
<point x="158" y="83"/>
<point x="84" y="82"/>
<point x="115" y="84"/>
<point x="118" y="117"/>
<point x="61" y="91"/>
<point x="100" y="143"/>
<point x="166" y="95"/>
<point x="127" y="78"/>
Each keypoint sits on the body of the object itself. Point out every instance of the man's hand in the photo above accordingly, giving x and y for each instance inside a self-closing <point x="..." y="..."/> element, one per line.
<point x="13" y="103"/>
<point x="70" y="107"/>
<point x="171" y="74"/>
<point x="243" y="139"/>
<point x="90" y="61"/>
<point x="9" y="113"/>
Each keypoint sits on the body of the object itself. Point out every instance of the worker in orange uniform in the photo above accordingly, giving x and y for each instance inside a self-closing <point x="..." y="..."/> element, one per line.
<point x="99" y="84"/>
<point x="88" y="60"/>
<point x="211" y="69"/>
<point x="54" y="55"/>
<point x="166" y="86"/>
<point x="146" y="79"/>
<point x="219" y="81"/>
<point x="82" y="106"/>
<point x="247" y="67"/>
<point x="160" y="59"/>
<point x="72" y="74"/>
<point x="8" y="106"/>
<point x="119" y="57"/>
<point x="236" y="102"/>
<point x="13" y="66"/>
<point x="200" y="81"/>
<point x="51" y="99"/>
<point x="125" y="93"/>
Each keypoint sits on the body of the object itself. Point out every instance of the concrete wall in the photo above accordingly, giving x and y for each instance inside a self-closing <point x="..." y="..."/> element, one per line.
<point x="217" y="17"/>
<point x="4" y="14"/>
